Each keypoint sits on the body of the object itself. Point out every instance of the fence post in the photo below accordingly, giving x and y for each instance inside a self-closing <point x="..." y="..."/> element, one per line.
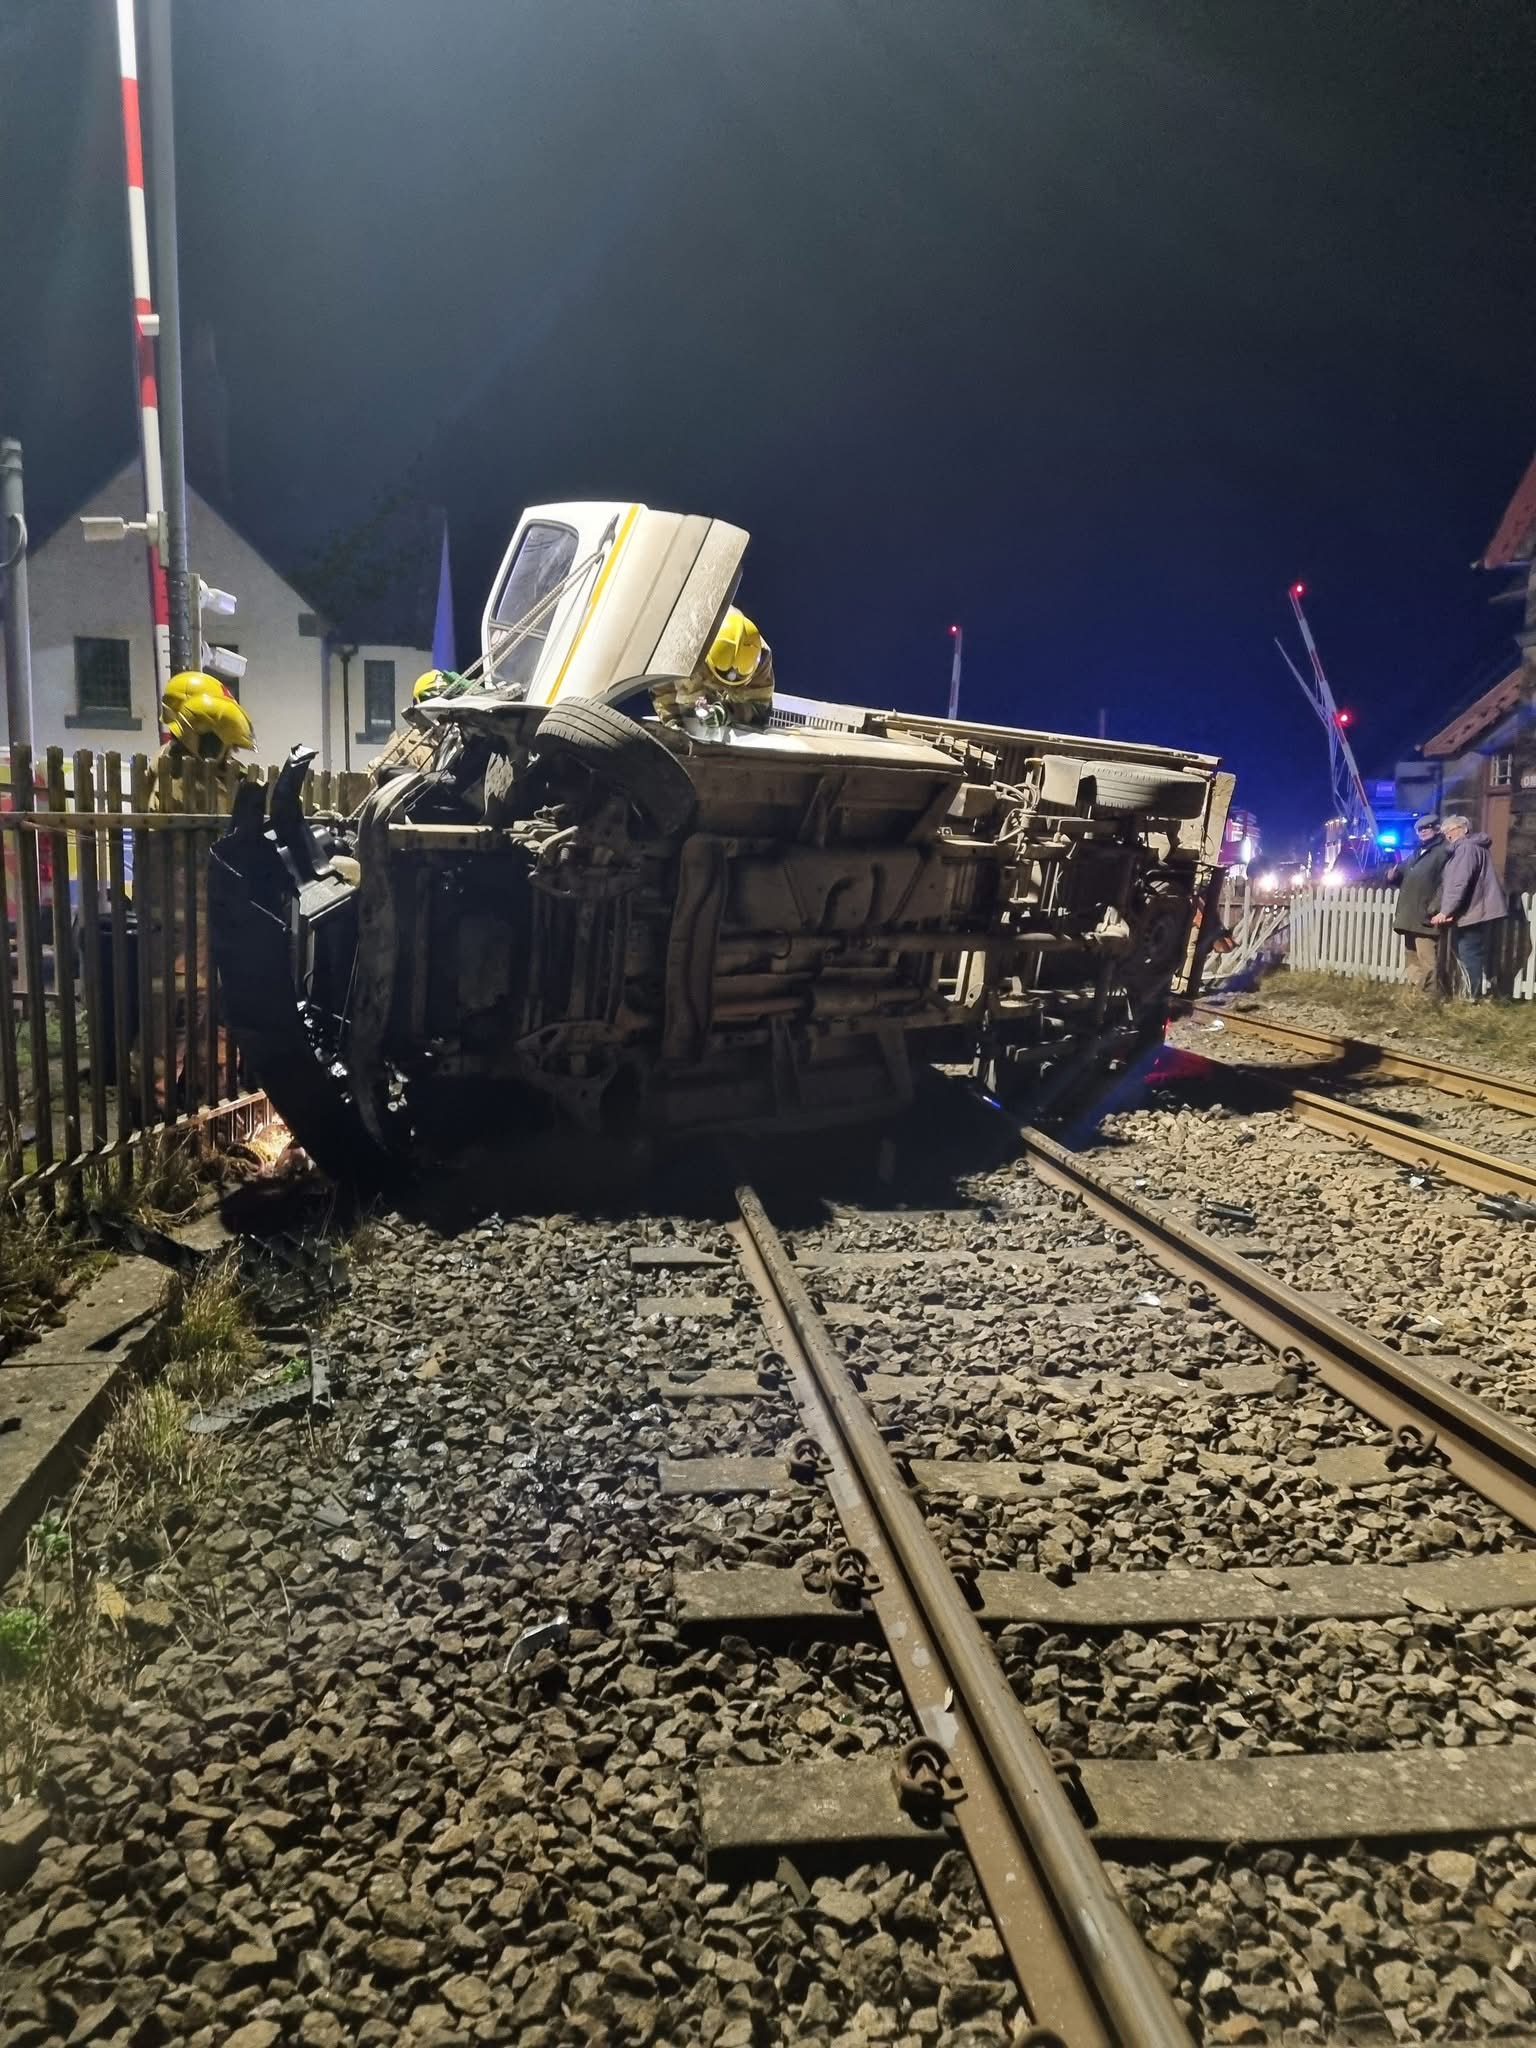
<point x="117" y="903"/>
<point x="90" y="946"/>
<point x="165" y="876"/>
<point x="63" y="959"/>
<point x="10" y="1072"/>
<point x="30" y="930"/>
<point x="145" y="890"/>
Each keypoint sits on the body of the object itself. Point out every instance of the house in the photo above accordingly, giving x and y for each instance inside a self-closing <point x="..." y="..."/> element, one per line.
<point x="1468" y="766"/>
<point x="336" y="685"/>
<point x="1513" y="743"/>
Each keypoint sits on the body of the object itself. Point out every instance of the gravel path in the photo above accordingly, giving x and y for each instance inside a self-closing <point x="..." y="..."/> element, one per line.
<point x="406" y="1744"/>
<point x="344" y="1798"/>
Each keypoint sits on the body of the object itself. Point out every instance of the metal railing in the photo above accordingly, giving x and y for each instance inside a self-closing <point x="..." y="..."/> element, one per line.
<point x="111" y="1038"/>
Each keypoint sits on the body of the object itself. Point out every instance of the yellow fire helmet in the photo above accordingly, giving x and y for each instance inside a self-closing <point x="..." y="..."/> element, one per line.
<point x="735" y="651"/>
<point x="431" y="682"/>
<point x="199" y="713"/>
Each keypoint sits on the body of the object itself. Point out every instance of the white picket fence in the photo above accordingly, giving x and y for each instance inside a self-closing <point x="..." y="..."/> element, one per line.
<point x="1349" y="931"/>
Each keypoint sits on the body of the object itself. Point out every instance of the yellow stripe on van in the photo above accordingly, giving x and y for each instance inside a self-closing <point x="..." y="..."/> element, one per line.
<point x="597" y="590"/>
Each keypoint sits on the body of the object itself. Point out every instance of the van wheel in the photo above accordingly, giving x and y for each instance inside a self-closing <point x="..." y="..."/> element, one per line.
<point x="620" y="753"/>
<point x="1121" y="790"/>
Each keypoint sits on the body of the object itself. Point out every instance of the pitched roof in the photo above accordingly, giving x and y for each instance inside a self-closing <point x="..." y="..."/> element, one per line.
<point x="1470" y="724"/>
<point x="386" y="599"/>
<point x="1515" y="540"/>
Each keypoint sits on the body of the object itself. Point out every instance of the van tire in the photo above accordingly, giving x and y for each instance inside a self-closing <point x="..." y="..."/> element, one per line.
<point x="619" y="752"/>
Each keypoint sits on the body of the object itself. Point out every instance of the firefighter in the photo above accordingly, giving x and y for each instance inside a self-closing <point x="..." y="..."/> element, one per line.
<point x="202" y="722"/>
<point x="732" y="685"/>
<point x="434" y="682"/>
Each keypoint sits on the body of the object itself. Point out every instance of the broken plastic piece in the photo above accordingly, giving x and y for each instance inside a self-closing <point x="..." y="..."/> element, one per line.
<point x="539" y="1635"/>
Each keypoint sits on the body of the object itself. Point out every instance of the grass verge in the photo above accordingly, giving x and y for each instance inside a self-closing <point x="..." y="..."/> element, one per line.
<point x="1478" y="1034"/>
<point x="65" y="1623"/>
<point x="41" y="1260"/>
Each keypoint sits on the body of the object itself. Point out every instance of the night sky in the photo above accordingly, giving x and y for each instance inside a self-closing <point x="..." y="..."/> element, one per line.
<point x="1091" y="325"/>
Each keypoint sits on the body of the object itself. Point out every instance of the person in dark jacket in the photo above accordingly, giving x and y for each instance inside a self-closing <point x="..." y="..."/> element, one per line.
<point x="1472" y="900"/>
<point x="1418" y="885"/>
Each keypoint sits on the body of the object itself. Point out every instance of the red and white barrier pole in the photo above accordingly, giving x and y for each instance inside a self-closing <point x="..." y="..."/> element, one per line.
<point x="144" y="329"/>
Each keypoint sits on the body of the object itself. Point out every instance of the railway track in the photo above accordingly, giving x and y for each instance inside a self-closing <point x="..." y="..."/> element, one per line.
<point x="1362" y="1056"/>
<point x="565" y="1687"/>
<point x="1021" y="1812"/>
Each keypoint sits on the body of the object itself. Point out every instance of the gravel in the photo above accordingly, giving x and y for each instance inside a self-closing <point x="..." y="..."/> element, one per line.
<point x="1407" y="1257"/>
<point x="332" y="1801"/>
<point x="410" y="1749"/>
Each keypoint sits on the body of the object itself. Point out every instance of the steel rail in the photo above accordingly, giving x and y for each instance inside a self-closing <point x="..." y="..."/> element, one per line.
<point x="1083" y="1969"/>
<point x="1367" y="1057"/>
<point x="1485" y="1171"/>
<point x="1484" y="1448"/>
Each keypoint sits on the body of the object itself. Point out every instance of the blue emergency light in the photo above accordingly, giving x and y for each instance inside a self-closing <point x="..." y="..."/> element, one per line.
<point x="1389" y="837"/>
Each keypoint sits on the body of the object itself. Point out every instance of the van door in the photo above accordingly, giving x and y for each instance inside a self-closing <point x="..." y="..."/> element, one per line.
<point x="542" y="591"/>
<point x="593" y="600"/>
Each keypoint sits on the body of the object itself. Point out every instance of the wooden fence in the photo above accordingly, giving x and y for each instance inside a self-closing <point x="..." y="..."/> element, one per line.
<point x="1349" y="932"/>
<point x="110" y="1032"/>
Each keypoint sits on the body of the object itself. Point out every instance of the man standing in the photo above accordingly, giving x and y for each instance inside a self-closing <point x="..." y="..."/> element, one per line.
<point x="1417" y="879"/>
<point x="1472" y="900"/>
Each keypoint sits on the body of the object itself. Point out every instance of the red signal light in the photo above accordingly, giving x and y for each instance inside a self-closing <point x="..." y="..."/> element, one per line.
<point x="953" y="631"/>
<point x="1345" y="717"/>
<point x="1298" y="590"/>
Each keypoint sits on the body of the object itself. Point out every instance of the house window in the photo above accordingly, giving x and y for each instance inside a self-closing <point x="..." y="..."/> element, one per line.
<point x="1501" y="770"/>
<point x="102" y="684"/>
<point x="378" y="700"/>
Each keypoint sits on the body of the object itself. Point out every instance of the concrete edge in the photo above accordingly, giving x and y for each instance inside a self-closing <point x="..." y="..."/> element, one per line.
<point x="56" y="1396"/>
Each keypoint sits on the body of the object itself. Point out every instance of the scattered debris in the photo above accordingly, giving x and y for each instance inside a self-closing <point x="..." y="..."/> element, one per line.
<point x="309" y="1393"/>
<point x="540" y="1635"/>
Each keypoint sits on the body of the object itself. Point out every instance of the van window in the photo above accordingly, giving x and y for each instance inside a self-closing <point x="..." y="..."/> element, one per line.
<point x="543" y="561"/>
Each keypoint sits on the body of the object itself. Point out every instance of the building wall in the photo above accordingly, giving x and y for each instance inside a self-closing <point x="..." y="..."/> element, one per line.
<point x="100" y="589"/>
<point x="408" y="662"/>
<point x="1520" y="856"/>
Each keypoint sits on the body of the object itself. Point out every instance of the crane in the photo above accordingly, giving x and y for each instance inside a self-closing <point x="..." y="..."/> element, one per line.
<point x="1351" y="805"/>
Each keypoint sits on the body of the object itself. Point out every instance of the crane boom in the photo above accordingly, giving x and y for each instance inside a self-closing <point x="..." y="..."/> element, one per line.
<point x="1350" y="802"/>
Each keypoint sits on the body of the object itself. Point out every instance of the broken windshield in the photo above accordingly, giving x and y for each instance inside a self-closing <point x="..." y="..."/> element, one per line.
<point x="529" y="600"/>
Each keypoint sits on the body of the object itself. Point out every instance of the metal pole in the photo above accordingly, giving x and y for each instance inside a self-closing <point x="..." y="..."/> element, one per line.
<point x="18" y="632"/>
<point x="144" y="328"/>
<point x="958" y="637"/>
<point x="346" y="708"/>
<point x="184" y="651"/>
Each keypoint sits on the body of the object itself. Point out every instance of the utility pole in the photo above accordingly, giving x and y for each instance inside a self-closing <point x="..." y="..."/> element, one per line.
<point x="18" y="633"/>
<point x="145" y="328"/>
<point x="958" y="637"/>
<point x="184" y="652"/>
